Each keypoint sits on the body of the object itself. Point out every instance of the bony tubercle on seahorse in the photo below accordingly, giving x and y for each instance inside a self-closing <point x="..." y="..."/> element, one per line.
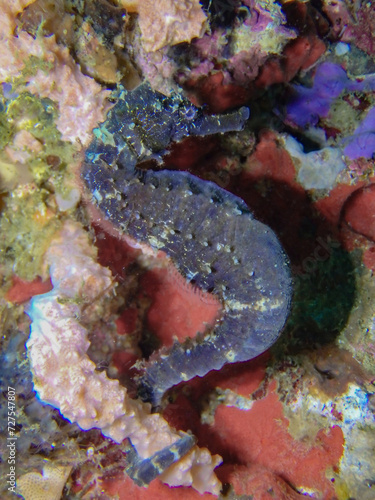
<point x="210" y="236"/>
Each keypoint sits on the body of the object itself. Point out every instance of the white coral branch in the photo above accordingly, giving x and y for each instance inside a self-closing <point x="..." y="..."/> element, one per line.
<point x="66" y="378"/>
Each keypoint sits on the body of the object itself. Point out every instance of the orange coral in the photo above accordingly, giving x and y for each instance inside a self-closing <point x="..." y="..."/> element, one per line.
<point x="22" y="291"/>
<point x="171" y="288"/>
<point x="261" y="437"/>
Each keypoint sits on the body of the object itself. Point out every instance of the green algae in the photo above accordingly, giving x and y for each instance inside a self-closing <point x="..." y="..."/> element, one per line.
<point x="28" y="219"/>
<point x="343" y="117"/>
<point x="38" y="116"/>
<point x="6" y="131"/>
<point x="27" y="225"/>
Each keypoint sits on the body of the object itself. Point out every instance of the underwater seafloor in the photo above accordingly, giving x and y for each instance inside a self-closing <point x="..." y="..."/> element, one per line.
<point x="298" y="421"/>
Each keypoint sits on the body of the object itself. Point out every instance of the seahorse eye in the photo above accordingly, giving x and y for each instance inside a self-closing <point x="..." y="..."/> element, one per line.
<point x="189" y="112"/>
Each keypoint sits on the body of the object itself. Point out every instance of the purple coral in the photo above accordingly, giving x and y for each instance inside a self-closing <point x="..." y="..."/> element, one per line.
<point x="308" y="105"/>
<point x="260" y="17"/>
<point x="362" y="142"/>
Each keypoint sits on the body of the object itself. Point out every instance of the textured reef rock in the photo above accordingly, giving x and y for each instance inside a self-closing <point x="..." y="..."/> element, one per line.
<point x="335" y="112"/>
<point x="297" y="421"/>
<point x="165" y="22"/>
<point x="209" y="234"/>
<point x="240" y="53"/>
<point x="81" y="101"/>
<point x="65" y="377"/>
<point x="360" y="26"/>
<point x="316" y="169"/>
<point x="48" y="484"/>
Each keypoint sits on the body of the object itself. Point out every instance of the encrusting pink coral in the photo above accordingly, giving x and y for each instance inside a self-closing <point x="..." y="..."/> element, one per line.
<point x="167" y="22"/>
<point x="81" y="101"/>
<point x="65" y="377"/>
<point x="9" y="10"/>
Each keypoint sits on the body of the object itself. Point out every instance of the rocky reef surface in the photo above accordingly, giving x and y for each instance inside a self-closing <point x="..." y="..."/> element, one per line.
<point x="170" y="172"/>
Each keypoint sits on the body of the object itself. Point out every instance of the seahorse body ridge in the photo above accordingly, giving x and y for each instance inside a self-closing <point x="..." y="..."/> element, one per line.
<point x="209" y="233"/>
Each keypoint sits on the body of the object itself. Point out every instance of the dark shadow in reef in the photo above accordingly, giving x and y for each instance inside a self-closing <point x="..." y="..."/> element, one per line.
<point x="222" y="12"/>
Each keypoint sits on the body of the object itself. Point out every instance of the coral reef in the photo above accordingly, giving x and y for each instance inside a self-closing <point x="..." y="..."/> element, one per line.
<point x="38" y="168"/>
<point x="39" y="65"/>
<point x="316" y="169"/>
<point x="241" y="53"/>
<point x="66" y="378"/>
<point x="75" y="120"/>
<point x="294" y="422"/>
<point x="361" y="31"/>
<point x="165" y="22"/>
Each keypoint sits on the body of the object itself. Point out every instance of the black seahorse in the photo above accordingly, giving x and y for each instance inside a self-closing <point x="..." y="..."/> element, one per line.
<point x="210" y="235"/>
